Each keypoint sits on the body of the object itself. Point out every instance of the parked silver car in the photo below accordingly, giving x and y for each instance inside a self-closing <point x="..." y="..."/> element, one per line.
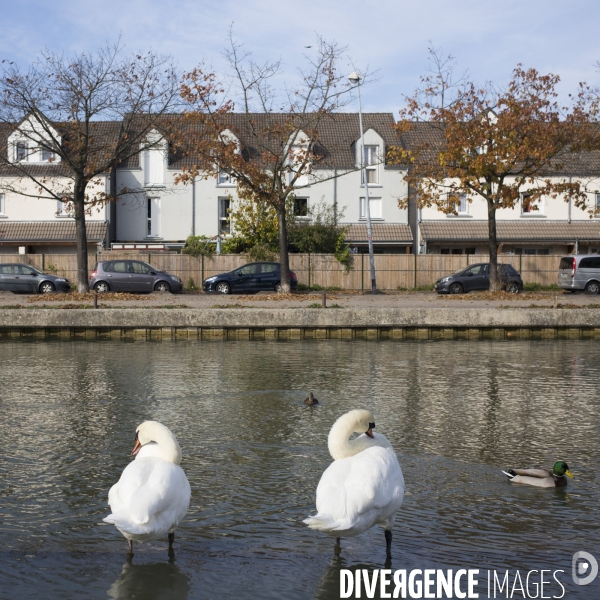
<point x="131" y="276"/>
<point x="580" y="272"/>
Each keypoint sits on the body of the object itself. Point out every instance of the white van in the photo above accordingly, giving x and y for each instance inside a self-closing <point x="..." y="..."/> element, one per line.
<point x="580" y="272"/>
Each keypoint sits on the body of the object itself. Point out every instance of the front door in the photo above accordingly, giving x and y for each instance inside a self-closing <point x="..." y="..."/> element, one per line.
<point x="244" y="279"/>
<point x="140" y="278"/>
<point x="475" y="278"/>
<point x="25" y="279"/>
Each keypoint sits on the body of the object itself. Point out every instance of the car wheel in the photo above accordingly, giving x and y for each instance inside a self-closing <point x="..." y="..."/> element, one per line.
<point x="162" y="286"/>
<point x="278" y="287"/>
<point x="513" y="287"/>
<point x="456" y="288"/>
<point x="101" y="287"/>
<point x="47" y="287"/>
<point x="223" y="287"/>
<point x="593" y="287"/>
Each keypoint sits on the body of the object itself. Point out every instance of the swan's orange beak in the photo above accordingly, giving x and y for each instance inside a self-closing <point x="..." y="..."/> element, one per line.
<point x="369" y="432"/>
<point x="136" y="448"/>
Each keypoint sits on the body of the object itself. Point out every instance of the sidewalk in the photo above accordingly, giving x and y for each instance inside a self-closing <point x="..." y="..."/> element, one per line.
<point x="391" y="299"/>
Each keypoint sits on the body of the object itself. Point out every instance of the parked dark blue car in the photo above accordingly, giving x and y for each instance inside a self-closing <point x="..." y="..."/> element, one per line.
<point x="477" y="278"/>
<point x="253" y="277"/>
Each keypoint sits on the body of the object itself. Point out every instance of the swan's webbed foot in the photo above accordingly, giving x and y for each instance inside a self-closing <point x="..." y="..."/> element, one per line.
<point x="171" y="540"/>
<point x="388" y="544"/>
<point x="130" y="553"/>
<point x="337" y="549"/>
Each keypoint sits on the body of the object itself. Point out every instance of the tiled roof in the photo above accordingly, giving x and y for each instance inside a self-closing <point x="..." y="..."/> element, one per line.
<point x="104" y="133"/>
<point x="49" y="231"/>
<point x="425" y="136"/>
<point x="533" y="230"/>
<point x="382" y="233"/>
<point x="336" y="135"/>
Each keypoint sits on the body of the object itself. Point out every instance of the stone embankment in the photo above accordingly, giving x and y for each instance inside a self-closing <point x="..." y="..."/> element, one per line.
<point x="268" y="323"/>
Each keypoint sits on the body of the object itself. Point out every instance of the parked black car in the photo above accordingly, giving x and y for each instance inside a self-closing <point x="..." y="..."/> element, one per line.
<point x="131" y="276"/>
<point x="252" y="277"/>
<point x="24" y="278"/>
<point x="477" y="278"/>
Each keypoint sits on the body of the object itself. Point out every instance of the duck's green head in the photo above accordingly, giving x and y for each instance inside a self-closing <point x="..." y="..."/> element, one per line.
<point x="562" y="468"/>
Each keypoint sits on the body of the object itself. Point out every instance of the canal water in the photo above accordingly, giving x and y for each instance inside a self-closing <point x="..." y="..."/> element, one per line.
<point x="456" y="412"/>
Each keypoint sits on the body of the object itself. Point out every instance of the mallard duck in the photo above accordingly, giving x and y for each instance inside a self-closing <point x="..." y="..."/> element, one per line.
<point x="541" y="477"/>
<point x="153" y="493"/>
<point x="311" y="399"/>
<point x="363" y="486"/>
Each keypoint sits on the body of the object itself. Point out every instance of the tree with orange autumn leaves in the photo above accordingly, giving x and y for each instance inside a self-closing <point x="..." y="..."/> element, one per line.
<point x="268" y="144"/>
<point x="504" y="146"/>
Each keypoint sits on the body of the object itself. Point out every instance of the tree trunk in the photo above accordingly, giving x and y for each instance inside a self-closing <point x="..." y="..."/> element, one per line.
<point x="284" y="258"/>
<point x="81" y="235"/>
<point x="494" y="280"/>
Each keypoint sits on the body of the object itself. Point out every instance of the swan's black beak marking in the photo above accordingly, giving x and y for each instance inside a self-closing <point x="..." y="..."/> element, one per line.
<point x="369" y="431"/>
<point x="137" y="445"/>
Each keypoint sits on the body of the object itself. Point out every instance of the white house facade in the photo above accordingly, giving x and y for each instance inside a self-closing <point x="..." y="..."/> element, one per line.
<point x="160" y="214"/>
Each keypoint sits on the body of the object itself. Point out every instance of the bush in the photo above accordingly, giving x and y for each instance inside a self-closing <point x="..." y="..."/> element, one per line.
<point x="199" y="245"/>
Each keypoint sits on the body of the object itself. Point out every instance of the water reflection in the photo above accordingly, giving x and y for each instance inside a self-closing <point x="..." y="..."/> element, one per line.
<point x="456" y="413"/>
<point x="151" y="582"/>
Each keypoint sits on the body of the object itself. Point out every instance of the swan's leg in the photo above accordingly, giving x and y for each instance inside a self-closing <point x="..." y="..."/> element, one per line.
<point x="337" y="549"/>
<point x="171" y="540"/>
<point x="130" y="547"/>
<point x="388" y="542"/>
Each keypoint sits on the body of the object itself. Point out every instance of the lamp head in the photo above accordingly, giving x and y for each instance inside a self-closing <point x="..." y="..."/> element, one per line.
<point x="354" y="77"/>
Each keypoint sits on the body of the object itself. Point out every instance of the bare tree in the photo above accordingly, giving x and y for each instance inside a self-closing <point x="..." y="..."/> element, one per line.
<point x="267" y="142"/>
<point x="87" y="114"/>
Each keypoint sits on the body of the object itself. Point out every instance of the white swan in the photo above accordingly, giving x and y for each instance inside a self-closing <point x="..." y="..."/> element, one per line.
<point x="153" y="493"/>
<point x="364" y="486"/>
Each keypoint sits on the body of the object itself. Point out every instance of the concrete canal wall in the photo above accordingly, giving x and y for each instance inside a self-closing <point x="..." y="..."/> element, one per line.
<point x="259" y="323"/>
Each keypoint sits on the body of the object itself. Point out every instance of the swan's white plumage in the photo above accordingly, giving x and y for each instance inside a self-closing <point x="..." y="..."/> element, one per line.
<point x="153" y="493"/>
<point x="363" y="487"/>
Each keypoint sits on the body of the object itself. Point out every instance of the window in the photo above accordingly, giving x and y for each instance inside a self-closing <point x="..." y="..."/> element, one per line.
<point x="529" y="207"/>
<point x="224" y="178"/>
<point x="152" y="217"/>
<point x="137" y="267"/>
<point x="1" y="204"/>
<point x="301" y="207"/>
<point x="533" y="251"/>
<point x="64" y="209"/>
<point x="597" y="213"/>
<point x="119" y="267"/>
<point x="374" y="206"/>
<point x="224" y="219"/>
<point x="46" y="154"/>
<point x="21" y="151"/>
<point x="154" y="167"/>
<point x="268" y="268"/>
<point x="370" y="163"/>
<point x="458" y="204"/>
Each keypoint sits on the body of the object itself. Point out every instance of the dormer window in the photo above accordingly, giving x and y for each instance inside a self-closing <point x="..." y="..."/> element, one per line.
<point x="46" y="154"/>
<point x="21" y="151"/>
<point x="154" y="167"/>
<point x="224" y="178"/>
<point x="370" y="164"/>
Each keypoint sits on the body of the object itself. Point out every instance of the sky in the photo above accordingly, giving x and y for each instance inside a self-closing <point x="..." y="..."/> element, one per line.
<point x="390" y="37"/>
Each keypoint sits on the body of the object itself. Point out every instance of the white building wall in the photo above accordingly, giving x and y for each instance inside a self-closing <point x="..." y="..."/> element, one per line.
<point x="177" y="201"/>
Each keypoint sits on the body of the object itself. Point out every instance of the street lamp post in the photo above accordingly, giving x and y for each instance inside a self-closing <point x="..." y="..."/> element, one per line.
<point x="355" y="78"/>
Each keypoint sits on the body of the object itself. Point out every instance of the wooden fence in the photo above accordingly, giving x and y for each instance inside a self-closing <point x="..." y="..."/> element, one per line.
<point x="393" y="271"/>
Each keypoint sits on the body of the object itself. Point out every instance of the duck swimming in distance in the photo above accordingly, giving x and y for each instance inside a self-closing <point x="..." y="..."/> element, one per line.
<point x="311" y="399"/>
<point x="557" y="477"/>
<point x="363" y="486"/>
<point x="153" y="494"/>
